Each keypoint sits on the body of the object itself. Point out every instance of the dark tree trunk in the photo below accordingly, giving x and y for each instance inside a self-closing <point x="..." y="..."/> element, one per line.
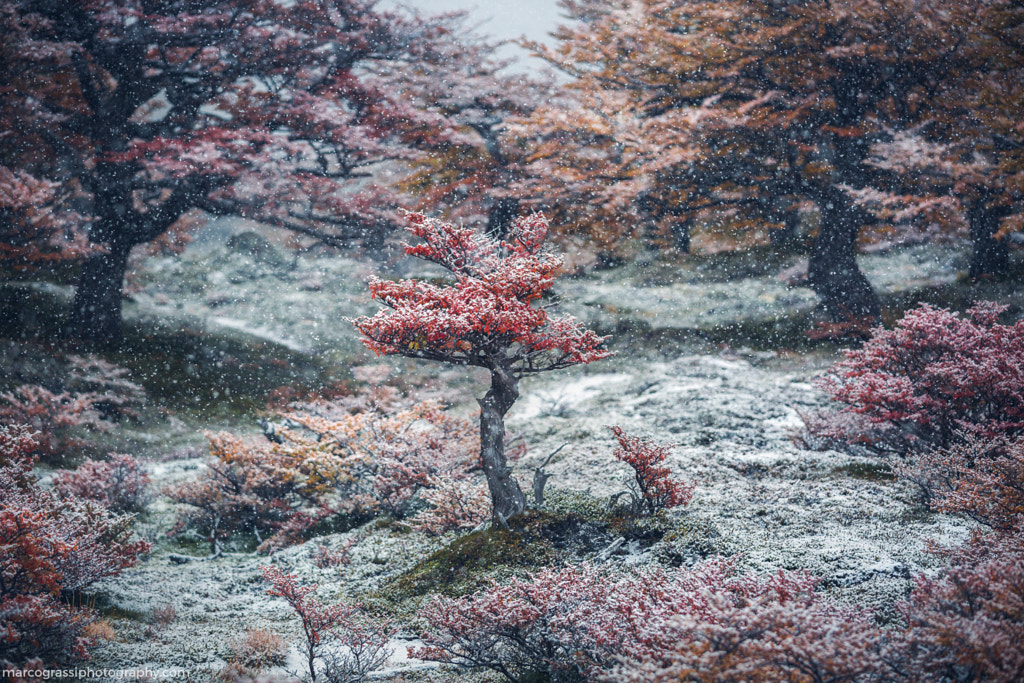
<point x="990" y="256"/>
<point x="833" y="273"/>
<point x="507" y="497"/>
<point x="680" y="231"/>
<point x="96" y="310"/>
<point x="503" y="213"/>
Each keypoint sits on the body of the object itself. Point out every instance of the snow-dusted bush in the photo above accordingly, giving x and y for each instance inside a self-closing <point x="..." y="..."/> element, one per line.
<point x="653" y="489"/>
<point x="705" y="623"/>
<point x="119" y="484"/>
<point x="50" y="548"/>
<point x="928" y="383"/>
<point x="967" y="624"/>
<point x="347" y="643"/>
<point x="327" y="462"/>
<point x="51" y="415"/>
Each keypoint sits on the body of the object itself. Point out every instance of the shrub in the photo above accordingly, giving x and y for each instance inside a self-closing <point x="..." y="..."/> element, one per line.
<point x="50" y="548"/>
<point x="453" y="505"/>
<point x="348" y="644"/>
<point x="652" y="489"/>
<point x="259" y="649"/>
<point x="328" y="462"/>
<point x="985" y="481"/>
<point x="53" y="416"/>
<point x="967" y="624"/>
<point x="704" y="623"/>
<point x="934" y="379"/>
<point x="119" y="484"/>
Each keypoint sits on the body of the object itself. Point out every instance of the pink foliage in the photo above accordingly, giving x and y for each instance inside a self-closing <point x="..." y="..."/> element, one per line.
<point x="51" y="415"/>
<point x="655" y="489"/>
<point x="704" y="623"/>
<point x="118" y="484"/>
<point x="34" y="229"/>
<point x="348" y="644"/>
<point x="934" y="377"/>
<point x="453" y="505"/>
<point x="967" y="624"/>
<point x="488" y="310"/>
<point x="50" y="547"/>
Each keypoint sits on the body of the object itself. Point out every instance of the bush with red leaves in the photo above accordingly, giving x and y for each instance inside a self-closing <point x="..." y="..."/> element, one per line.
<point x="50" y="548"/>
<point x="927" y="383"/>
<point x="700" y="624"/>
<point x="119" y="484"/>
<point x="653" y="488"/>
<point x="327" y="462"/>
<point x="967" y="624"/>
<point x="347" y="643"/>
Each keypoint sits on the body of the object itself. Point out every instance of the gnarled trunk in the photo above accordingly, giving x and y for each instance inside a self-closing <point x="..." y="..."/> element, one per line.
<point x="96" y="310"/>
<point x="833" y="273"/>
<point x="990" y="256"/>
<point x="506" y="496"/>
<point x="501" y="216"/>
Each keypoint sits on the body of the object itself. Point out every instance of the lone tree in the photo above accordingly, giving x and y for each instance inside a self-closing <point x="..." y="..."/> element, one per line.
<point x="486" y="319"/>
<point x="151" y="111"/>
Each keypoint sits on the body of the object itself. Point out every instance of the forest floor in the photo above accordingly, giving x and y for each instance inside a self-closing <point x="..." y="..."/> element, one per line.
<point x="711" y="359"/>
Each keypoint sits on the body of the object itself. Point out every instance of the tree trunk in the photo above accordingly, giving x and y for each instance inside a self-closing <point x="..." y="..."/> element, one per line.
<point x="833" y="273"/>
<point x="96" y="310"/>
<point x="680" y="231"/>
<point x="990" y="256"/>
<point x="503" y="213"/>
<point x="507" y="498"/>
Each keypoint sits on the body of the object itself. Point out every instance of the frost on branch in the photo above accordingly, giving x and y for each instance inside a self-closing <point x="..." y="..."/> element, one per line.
<point x="701" y="624"/>
<point x="936" y="376"/>
<point x="487" y="318"/>
<point x="348" y="643"/>
<point x="653" y="488"/>
<point x="50" y="548"/>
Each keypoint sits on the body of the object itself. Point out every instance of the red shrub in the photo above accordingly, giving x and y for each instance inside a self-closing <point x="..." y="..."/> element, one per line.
<point x="50" y="547"/>
<point x="119" y="484"/>
<point x="983" y="480"/>
<point x="51" y="415"/>
<point x="654" y="490"/>
<point x="453" y="505"/>
<point x="348" y="644"/>
<point x="327" y="462"/>
<point x="699" y="624"/>
<point x="967" y="624"/>
<point x="935" y="377"/>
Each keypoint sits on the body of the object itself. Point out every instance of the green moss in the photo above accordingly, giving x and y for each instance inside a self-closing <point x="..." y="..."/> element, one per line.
<point x="871" y="471"/>
<point x="472" y="560"/>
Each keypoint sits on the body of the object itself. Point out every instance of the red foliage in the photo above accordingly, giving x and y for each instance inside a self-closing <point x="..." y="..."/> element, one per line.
<point x="488" y="311"/>
<point x="701" y="624"/>
<point x="453" y="505"/>
<point x="934" y="378"/>
<point x="52" y="416"/>
<point x="118" y="484"/>
<point x="50" y="547"/>
<point x="363" y="643"/>
<point x="33" y="227"/>
<point x="986" y="482"/>
<point x="485" y="318"/>
<point x="655" y="489"/>
<point x="329" y="462"/>
<point x="967" y="624"/>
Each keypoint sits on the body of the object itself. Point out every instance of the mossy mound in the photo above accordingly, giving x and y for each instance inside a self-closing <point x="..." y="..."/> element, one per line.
<point x="533" y="540"/>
